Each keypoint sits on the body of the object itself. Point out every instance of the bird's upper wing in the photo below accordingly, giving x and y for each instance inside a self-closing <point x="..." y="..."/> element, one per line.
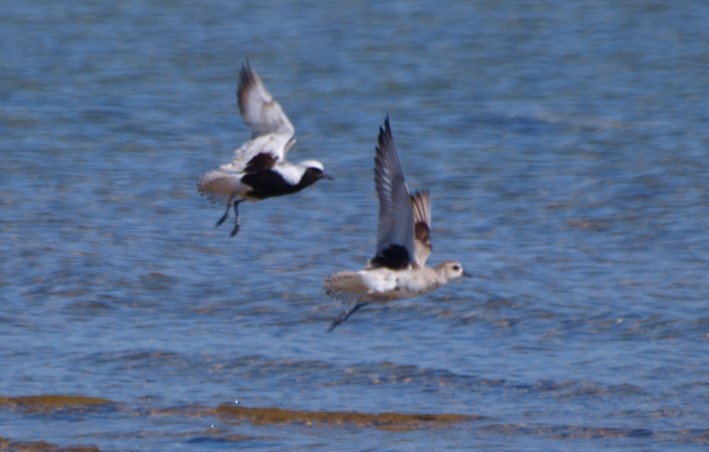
<point x="271" y="130"/>
<point x="395" y="231"/>
<point x="421" y="204"/>
<point x="260" y="110"/>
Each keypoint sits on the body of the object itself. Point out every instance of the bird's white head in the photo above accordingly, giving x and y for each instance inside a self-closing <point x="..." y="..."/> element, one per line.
<point x="452" y="270"/>
<point x="314" y="170"/>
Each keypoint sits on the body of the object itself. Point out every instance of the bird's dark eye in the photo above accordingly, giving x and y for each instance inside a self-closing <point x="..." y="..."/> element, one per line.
<point x="456" y="267"/>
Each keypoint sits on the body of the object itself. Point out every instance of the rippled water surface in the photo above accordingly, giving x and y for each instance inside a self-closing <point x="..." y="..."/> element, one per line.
<point x="567" y="151"/>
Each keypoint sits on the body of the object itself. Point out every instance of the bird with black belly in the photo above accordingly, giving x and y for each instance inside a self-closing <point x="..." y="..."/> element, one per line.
<point x="259" y="169"/>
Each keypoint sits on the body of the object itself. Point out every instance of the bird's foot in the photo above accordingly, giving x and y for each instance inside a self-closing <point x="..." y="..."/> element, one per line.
<point x="235" y="231"/>
<point x="222" y="219"/>
<point x="345" y="315"/>
<point x="237" y="223"/>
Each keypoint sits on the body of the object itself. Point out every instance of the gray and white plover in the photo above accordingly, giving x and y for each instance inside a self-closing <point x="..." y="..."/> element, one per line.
<point x="259" y="169"/>
<point x="398" y="269"/>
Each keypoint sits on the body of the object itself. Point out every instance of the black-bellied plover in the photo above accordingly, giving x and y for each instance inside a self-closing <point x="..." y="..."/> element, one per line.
<point x="259" y="169"/>
<point x="398" y="269"/>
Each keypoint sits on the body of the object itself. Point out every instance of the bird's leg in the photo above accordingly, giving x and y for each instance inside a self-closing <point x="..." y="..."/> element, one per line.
<point x="345" y="315"/>
<point x="226" y="214"/>
<point x="237" y="223"/>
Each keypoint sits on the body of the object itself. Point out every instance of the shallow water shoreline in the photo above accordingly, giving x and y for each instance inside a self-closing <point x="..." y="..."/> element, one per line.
<point x="227" y="421"/>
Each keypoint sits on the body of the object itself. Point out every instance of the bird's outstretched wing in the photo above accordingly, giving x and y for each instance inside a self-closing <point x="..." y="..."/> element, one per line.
<point x="272" y="134"/>
<point x="421" y="204"/>
<point x="395" y="230"/>
<point x="260" y="110"/>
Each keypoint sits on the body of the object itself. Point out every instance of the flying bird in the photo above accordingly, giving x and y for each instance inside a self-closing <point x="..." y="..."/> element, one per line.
<point x="398" y="268"/>
<point x="259" y="169"/>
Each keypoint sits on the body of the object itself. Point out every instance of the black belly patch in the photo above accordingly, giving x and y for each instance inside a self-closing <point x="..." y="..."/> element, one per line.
<point x="394" y="257"/>
<point x="268" y="183"/>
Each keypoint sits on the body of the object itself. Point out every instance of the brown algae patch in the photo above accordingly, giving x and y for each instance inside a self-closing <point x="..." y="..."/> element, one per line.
<point x="385" y="421"/>
<point x="37" y="446"/>
<point x="51" y="402"/>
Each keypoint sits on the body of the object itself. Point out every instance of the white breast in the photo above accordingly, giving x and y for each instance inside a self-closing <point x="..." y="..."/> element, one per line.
<point x="379" y="281"/>
<point x="291" y="173"/>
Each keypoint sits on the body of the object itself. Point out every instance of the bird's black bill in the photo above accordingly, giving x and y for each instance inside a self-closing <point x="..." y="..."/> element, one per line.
<point x="468" y="274"/>
<point x="328" y="176"/>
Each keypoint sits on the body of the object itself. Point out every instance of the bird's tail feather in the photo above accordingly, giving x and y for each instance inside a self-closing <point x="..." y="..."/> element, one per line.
<point x="342" y="283"/>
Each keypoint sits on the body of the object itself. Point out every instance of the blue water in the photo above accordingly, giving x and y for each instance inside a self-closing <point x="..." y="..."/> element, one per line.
<point x="566" y="148"/>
